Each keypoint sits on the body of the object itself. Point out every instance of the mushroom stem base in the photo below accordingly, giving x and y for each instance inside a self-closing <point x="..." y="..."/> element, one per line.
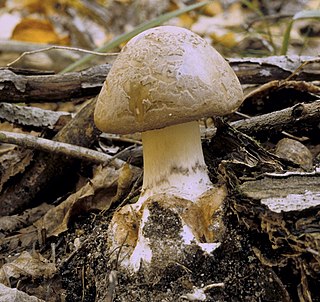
<point x="174" y="162"/>
<point x="167" y="228"/>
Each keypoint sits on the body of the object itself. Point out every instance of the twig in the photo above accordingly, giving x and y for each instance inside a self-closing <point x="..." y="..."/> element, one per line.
<point x="281" y="120"/>
<point x="42" y="144"/>
<point x="112" y="158"/>
<point x="63" y="48"/>
<point x="115" y="137"/>
<point x="19" y="46"/>
<point x="298" y="69"/>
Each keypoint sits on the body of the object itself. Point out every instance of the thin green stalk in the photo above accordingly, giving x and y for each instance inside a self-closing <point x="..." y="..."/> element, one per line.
<point x="140" y="28"/>
<point x="260" y="14"/>
<point x="307" y="14"/>
<point x="286" y="39"/>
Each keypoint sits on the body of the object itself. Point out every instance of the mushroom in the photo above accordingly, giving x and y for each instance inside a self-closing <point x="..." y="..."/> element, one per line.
<point x="163" y="81"/>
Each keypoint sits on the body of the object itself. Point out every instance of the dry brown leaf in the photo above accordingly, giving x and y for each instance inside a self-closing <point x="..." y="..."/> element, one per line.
<point x="36" y="6"/>
<point x="38" y="31"/>
<point x="12" y="163"/>
<point x="106" y="187"/>
<point x="26" y="218"/>
<point x="34" y="266"/>
<point x="213" y="8"/>
<point x="56" y="220"/>
<point x="224" y="28"/>
<point x="186" y="20"/>
<point x="8" y="294"/>
<point x="226" y="38"/>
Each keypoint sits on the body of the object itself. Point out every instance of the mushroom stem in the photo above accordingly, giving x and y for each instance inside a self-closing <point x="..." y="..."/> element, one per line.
<point x="174" y="162"/>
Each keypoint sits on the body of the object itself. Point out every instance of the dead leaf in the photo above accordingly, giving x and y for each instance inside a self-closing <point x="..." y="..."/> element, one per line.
<point x="36" y="6"/>
<point x="213" y="8"/>
<point x="15" y="222"/>
<point x="225" y="38"/>
<point x="27" y="265"/>
<point x="277" y="95"/>
<point x="38" y="31"/>
<point x="8" y="294"/>
<point x="106" y="187"/>
<point x="12" y="163"/>
<point x="223" y="28"/>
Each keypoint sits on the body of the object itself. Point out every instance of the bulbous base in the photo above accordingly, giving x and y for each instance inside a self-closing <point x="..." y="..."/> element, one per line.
<point x="166" y="229"/>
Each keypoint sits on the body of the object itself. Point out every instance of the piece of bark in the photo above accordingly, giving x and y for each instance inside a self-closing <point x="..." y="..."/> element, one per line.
<point x="263" y="70"/>
<point x="282" y="120"/>
<point x="17" y="87"/>
<point x="33" y="117"/>
<point x="285" y="192"/>
<point x="281" y="211"/>
<point x="47" y="170"/>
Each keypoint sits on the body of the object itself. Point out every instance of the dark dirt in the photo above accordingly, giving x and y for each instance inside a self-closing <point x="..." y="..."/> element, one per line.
<point x="245" y="279"/>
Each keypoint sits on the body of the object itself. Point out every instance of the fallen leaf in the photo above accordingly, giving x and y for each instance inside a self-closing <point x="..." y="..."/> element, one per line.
<point x="225" y="38"/>
<point x="106" y="187"/>
<point x="13" y="163"/>
<point x="36" y="6"/>
<point x="213" y="8"/>
<point x="37" y="31"/>
<point x="26" y="218"/>
<point x="34" y="266"/>
<point x="8" y="294"/>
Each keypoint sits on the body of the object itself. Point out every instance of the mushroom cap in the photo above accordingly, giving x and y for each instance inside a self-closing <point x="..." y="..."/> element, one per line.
<point x="165" y="76"/>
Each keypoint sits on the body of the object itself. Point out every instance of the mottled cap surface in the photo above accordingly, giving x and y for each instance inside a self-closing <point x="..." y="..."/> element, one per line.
<point x="165" y="76"/>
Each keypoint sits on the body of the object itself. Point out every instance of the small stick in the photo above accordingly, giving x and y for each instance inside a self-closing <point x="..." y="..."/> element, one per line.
<point x="63" y="48"/>
<point x="114" y="137"/>
<point x="42" y="144"/>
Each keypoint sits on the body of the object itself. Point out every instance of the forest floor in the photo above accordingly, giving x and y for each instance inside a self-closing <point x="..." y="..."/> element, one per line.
<point x="56" y="203"/>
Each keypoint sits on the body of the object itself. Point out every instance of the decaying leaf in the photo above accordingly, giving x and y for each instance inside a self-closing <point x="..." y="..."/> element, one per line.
<point x="277" y="95"/>
<point x="8" y="294"/>
<point x="36" y="6"/>
<point x="15" y="222"/>
<point x="12" y="163"/>
<point x="27" y="265"/>
<point x="221" y="27"/>
<point x="37" y="30"/>
<point x="106" y="187"/>
<point x="296" y="152"/>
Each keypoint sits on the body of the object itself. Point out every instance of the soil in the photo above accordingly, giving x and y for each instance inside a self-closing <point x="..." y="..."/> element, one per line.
<point x="234" y="264"/>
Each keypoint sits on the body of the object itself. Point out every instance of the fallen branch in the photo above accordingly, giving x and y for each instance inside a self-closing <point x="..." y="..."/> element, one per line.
<point x="263" y="70"/>
<point x="17" y="87"/>
<point x="42" y="144"/>
<point x="281" y="120"/>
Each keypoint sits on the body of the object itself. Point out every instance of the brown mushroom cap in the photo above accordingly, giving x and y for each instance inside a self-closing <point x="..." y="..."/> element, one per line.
<point x="165" y="76"/>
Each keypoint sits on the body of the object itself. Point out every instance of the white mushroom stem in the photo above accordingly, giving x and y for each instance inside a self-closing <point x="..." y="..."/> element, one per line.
<point x="174" y="163"/>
